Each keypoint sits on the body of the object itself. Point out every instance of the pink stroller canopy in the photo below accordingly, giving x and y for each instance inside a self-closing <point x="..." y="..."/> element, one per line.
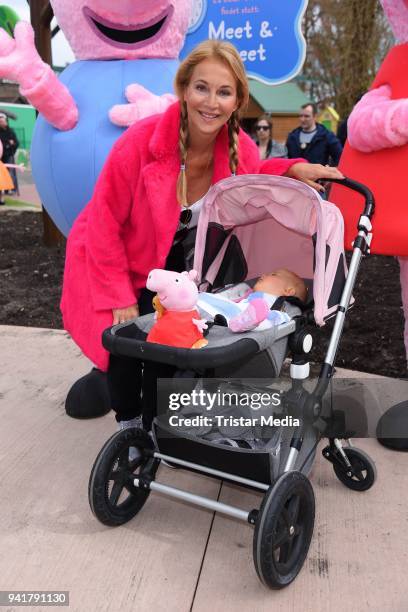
<point x="253" y="224"/>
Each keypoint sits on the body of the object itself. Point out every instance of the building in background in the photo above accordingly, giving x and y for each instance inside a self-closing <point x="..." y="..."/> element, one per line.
<point x="330" y="118"/>
<point x="282" y="102"/>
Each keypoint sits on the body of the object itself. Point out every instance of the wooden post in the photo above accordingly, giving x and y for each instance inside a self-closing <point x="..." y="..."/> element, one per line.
<point x="41" y="15"/>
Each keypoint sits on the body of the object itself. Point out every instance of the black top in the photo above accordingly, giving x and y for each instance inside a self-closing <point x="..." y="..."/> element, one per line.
<point x="10" y="143"/>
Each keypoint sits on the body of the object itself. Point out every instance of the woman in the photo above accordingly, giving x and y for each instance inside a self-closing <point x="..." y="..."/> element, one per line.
<point x="10" y="145"/>
<point x="160" y="167"/>
<point x="266" y="145"/>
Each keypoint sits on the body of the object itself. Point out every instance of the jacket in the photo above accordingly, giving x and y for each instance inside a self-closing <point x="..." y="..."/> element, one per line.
<point x="128" y="226"/>
<point x="324" y="147"/>
<point x="10" y="143"/>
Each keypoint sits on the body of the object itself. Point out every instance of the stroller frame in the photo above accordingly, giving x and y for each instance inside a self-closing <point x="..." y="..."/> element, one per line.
<point x="352" y="466"/>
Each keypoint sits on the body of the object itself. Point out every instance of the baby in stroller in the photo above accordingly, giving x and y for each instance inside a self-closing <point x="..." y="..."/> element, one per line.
<point x="248" y="225"/>
<point x="258" y="307"/>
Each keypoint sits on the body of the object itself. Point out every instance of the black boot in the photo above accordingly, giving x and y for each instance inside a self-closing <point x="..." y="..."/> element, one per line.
<point x="392" y="428"/>
<point x="89" y="396"/>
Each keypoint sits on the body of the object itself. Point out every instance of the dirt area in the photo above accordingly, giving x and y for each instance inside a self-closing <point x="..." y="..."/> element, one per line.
<point x="31" y="277"/>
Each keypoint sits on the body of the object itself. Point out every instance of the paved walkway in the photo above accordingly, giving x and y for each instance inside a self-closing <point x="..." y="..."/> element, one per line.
<point x="172" y="556"/>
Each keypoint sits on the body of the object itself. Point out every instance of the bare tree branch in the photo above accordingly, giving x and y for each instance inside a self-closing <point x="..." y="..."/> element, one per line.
<point x="347" y="40"/>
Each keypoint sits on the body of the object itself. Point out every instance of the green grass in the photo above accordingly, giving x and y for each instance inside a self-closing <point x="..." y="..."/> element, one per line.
<point x="18" y="203"/>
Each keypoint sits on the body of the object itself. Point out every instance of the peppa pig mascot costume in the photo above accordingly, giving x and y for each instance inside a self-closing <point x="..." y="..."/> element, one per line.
<point x="178" y="322"/>
<point x="377" y="155"/>
<point x="126" y="55"/>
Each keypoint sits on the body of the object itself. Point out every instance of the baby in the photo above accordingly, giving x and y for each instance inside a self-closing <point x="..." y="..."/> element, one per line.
<point x="253" y="310"/>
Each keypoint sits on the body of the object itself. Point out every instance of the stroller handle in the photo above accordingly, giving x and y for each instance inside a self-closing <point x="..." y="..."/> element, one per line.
<point x="363" y="190"/>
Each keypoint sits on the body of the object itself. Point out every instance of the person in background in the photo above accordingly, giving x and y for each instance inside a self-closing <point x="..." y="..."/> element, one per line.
<point x="10" y="144"/>
<point x="312" y="140"/>
<point x="266" y="145"/>
<point x="342" y="131"/>
<point x="342" y="127"/>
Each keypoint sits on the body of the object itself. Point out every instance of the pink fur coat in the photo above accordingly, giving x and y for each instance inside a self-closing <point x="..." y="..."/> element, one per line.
<point x="127" y="228"/>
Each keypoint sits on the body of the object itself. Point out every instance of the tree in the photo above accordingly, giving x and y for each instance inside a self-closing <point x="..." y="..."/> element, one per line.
<point x="41" y="15"/>
<point x="346" y="42"/>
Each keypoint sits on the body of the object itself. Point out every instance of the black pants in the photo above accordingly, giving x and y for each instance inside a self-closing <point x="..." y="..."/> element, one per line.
<point x="133" y="384"/>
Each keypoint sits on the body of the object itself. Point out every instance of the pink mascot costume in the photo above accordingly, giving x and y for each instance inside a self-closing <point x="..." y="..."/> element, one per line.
<point x="125" y="51"/>
<point x="377" y="155"/>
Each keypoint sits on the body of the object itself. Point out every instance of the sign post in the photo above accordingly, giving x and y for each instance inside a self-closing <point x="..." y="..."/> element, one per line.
<point x="267" y="34"/>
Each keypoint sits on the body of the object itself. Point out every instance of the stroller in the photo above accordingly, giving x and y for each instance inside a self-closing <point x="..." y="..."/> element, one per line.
<point x="250" y="225"/>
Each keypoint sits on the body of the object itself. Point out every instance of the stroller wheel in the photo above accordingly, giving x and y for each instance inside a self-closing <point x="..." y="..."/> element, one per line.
<point x="113" y="497"/>
<point x="284" y="529"/>
<point x="364" y="471"/>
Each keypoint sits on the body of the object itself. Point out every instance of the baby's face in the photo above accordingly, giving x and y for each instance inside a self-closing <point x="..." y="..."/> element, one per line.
<point x="276" y="283"/>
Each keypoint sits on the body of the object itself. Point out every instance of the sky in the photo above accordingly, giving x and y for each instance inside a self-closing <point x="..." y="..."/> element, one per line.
<point x="61" y="51"/>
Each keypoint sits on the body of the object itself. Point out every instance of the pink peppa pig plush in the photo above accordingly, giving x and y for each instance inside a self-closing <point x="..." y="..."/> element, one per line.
<point x="127" y="54"/>
<point x="178" y="322"/>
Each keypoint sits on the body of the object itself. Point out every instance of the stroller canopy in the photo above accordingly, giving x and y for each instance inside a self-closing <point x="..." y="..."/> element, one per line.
<point x="253" y="224"/>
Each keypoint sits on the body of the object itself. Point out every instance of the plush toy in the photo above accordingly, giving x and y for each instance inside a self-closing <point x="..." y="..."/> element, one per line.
<point x="123" y="48"/>
<point x="178" y="322"/>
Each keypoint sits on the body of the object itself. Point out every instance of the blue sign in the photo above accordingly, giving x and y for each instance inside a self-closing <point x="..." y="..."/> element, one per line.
<point x="267" y="33"/>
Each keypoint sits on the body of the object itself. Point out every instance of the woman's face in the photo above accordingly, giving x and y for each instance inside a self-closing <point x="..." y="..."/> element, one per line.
<point x="211" y="98"/>
<point x="263" y="131"/>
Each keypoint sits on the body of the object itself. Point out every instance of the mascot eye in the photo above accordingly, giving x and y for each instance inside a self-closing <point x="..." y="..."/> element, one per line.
<point x="176" y="280"/>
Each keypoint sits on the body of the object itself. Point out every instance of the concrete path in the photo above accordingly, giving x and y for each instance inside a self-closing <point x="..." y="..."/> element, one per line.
<point x="172" y="556"/>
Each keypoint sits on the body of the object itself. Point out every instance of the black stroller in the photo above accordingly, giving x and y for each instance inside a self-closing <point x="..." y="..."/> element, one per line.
<point x="250" y="225"/>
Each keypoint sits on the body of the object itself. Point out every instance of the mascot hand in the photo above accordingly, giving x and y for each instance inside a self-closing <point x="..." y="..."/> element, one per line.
<point x="142" y="103"/>
<point x="20" y="62"/>
<point x="378" y="122"/>
<point x="19" y="59"/>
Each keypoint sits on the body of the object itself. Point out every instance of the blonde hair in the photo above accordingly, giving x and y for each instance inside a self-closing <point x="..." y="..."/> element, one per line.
<point x="227" y="54"/>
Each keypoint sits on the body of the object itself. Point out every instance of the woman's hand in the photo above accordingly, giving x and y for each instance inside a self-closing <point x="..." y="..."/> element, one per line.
<point x="120" y="315"/>
<point x="310" y="173"/>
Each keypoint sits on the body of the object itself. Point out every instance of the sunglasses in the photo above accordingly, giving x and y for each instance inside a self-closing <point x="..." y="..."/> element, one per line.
<point x="185" y="216"/>
<point x="265" y="128"/>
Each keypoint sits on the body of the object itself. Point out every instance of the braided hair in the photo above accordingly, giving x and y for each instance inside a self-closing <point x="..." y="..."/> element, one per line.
<point x="183" y="144"/>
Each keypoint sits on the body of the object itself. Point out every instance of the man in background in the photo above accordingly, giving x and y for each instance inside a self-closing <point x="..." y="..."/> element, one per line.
<point x="312" y="141"/>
